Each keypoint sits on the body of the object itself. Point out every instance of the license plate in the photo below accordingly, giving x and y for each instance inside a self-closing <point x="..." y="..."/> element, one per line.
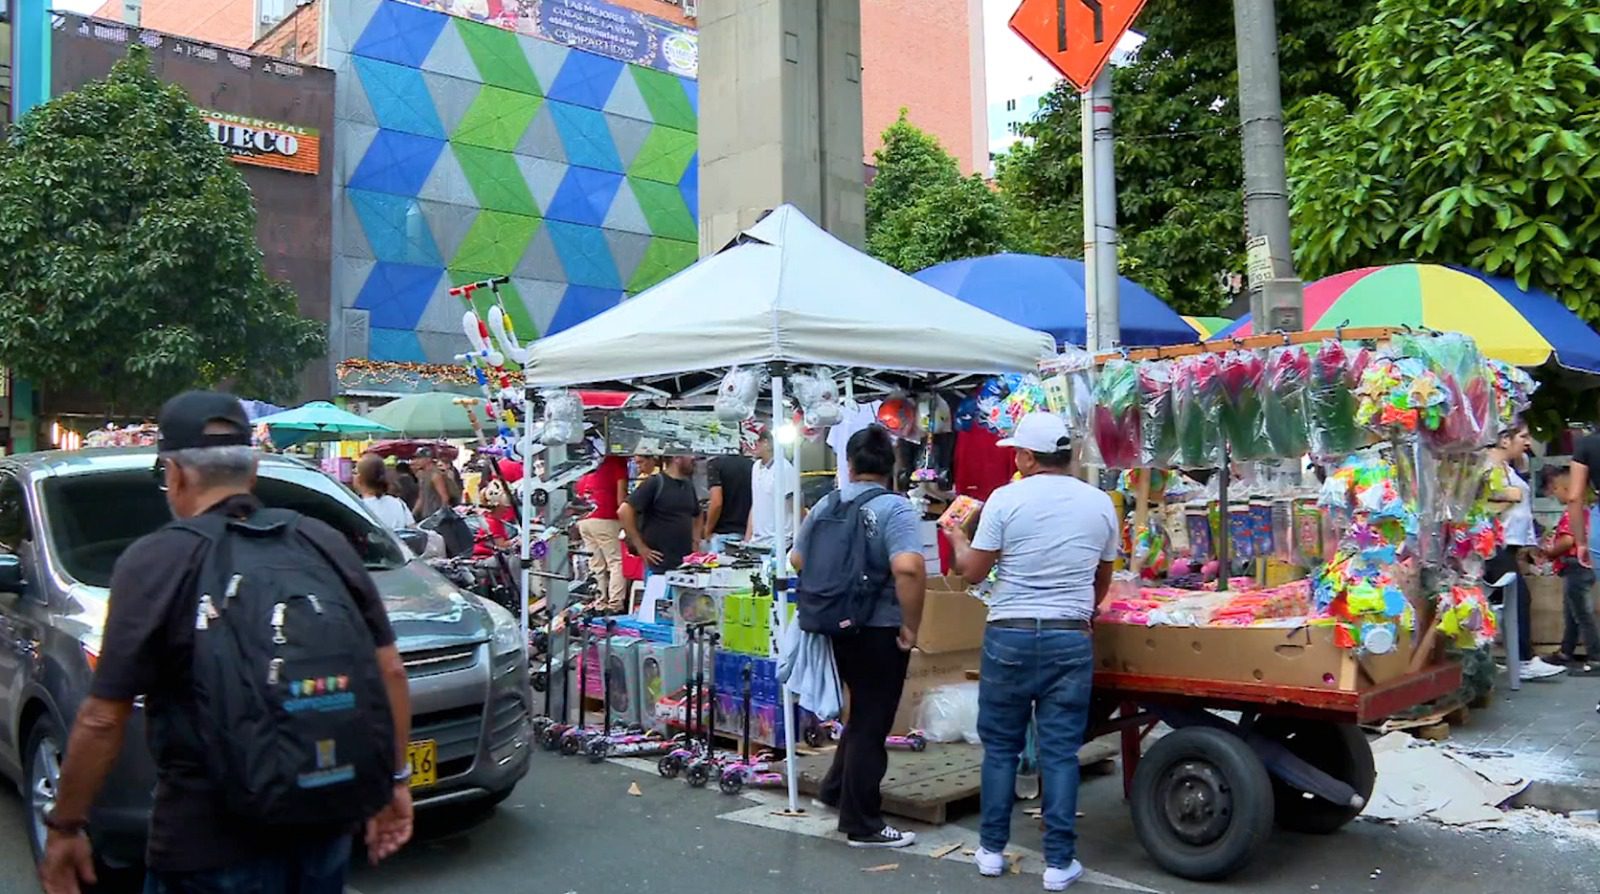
<point x="424" y="759"/>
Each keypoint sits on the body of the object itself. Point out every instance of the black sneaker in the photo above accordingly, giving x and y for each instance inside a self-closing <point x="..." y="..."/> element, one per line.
<point x="888" y="836"/>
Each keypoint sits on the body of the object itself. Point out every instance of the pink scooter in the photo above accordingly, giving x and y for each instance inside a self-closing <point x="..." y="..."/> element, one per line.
<point x="759" y="772"/>
<point x="832" y="731"/>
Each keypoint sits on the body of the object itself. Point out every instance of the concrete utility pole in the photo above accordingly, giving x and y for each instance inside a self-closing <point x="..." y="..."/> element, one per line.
<point x="1275" y="290"/>
<point x="1103" y="315"/>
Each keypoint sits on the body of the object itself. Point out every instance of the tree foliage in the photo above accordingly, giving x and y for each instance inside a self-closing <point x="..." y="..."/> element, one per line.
<point x="128" y="259"/>
<point x="1473" y="138"/>
<point x="921" y="211"/>
<point x="1180" y="171"/>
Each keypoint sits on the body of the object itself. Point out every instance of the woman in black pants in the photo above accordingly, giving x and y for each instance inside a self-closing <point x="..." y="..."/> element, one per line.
<point x="873" y="659"/>
<point x="1515" y="501"/>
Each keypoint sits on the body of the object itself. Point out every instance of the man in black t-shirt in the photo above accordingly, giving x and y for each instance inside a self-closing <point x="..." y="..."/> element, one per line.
<point x="729" y="509"/>
<point x="1585" y="469"/>
<point x="662" y="516"/>
<point x="206" y="466"/>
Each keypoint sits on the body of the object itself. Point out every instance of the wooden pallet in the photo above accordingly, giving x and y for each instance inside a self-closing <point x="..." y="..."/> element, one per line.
<point x="925" y="786"/>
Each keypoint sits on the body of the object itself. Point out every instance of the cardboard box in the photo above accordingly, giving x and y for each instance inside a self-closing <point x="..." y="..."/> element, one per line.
<point x="929" y="671"/>
<point x="1305" y="656"/>
<point x="1548" y="611"/>
<point x="952" y="621"/>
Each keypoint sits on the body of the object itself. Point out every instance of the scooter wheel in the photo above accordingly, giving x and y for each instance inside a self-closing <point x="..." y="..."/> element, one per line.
<point x="699" y="774"/>
<point x="813" y="736"/>
<point x="540" y="681"/>
<point x="597" y="750"/>
<point x="918" y="743"/>
<point x="570" y="745"/>
<point x="731" y="783"/>
<point x="550" y="739"/>
<point x="670" y="766"/>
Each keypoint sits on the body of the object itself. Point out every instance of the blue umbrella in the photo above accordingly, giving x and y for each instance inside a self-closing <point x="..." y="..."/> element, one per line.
<point x="1047" y="294"/>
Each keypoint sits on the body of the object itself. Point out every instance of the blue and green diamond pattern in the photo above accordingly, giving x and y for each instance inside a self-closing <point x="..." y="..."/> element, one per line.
<point x="465" y="151"/>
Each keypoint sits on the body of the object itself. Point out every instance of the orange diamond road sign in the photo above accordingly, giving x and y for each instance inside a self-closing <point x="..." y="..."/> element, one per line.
<point x="1076" y="36"/>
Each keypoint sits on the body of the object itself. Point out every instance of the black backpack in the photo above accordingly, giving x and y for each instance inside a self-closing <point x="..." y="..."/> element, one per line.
<point x="290" y="708"/>
<point x="837" y="592"/>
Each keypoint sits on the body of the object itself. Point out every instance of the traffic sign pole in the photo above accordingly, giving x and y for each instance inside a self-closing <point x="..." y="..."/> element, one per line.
<point x="1107" y="330"/>
<point x="1091" y="281"/>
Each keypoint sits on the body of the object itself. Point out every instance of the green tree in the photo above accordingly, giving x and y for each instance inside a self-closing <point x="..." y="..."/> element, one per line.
<point x="921" y="211"/>
<point x="1473" y="138"/>
<point x="1180" y="171"/>
<point x="128" y="259"/>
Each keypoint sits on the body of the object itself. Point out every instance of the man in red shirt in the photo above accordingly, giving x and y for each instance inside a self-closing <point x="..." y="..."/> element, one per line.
<point x="605" y="488"/>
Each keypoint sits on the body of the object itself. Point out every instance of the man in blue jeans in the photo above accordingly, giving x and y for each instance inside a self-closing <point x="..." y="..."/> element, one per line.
<point x="1050" y="539"/>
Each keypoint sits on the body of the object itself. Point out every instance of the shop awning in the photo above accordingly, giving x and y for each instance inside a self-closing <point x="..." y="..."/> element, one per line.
<point x="785" y="291"/>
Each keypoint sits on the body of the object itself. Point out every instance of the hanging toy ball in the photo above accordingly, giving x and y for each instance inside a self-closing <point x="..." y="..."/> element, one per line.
<point x="898" y="416"/>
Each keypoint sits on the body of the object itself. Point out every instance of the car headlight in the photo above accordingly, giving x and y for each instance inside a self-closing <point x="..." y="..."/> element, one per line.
<point x="507" y="629"/>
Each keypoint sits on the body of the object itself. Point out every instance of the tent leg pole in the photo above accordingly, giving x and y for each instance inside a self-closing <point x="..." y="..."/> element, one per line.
<point x="780" y="586"/>
<point x="525" y="547"/>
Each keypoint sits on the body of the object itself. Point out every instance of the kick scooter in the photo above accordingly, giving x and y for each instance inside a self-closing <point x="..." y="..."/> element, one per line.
<point x="759" y="772"/>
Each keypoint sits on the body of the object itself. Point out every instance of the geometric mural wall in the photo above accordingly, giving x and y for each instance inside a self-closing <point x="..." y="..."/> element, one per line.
<point x="467" y="151"/>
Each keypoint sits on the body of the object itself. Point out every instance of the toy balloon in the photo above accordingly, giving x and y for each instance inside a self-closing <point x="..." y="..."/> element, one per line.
<point x="899" y="416"/>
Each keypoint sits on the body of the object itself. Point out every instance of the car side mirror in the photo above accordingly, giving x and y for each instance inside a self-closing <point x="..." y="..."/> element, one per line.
<point x="415" y="540"/>
<point x="10" y="574"/>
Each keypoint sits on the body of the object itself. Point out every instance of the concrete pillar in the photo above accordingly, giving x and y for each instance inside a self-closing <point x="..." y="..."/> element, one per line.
<point x="780" y="115"/>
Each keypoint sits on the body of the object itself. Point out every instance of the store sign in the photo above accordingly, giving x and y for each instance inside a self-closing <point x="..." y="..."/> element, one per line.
<point x="267" y="144"/>
<point x="592" y="25"/>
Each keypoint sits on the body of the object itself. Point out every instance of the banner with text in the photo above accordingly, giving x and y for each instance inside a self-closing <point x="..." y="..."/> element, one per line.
<point x="592" y="25"/>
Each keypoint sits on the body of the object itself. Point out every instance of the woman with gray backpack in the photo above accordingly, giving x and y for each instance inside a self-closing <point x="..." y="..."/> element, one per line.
<point x="862" y="582"/>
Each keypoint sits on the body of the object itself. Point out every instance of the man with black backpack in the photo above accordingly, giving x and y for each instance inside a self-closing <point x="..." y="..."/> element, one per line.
<point x="862" y="581"/>
<point x="276" y="702"/>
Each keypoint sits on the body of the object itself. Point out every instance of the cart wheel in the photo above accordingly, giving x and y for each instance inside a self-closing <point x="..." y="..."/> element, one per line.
<point x="699" y="774"/>
<point x="1340" y="750"/>
<point x="597" y="749"/>
<point x="919" y="743"/>
<point x="670" y="766"/>
<point x="1202" y="803"/>
<point x="731" y="783"/>
<point x="813" y="736"/>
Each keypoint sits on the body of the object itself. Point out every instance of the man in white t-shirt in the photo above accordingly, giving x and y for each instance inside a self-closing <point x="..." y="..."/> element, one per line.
<point x="1050" y="540"/>
<point x="767" y="474"/>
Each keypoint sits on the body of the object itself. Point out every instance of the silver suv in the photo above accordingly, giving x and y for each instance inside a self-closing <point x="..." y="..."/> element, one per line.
<point x="64" y="520"/>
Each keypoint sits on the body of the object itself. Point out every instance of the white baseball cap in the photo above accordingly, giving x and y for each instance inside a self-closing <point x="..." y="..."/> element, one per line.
<point x="1039" y="432"/>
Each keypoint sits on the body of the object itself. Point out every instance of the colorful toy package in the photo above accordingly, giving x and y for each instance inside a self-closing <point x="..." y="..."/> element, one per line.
<point x="1470" y="415"/>
<point x="1284" y="398"/>
<point x="1116" y="414"/>
<point x="1197" y="400"/>
<point x="1401" y="396"/>
<point x="1158" y="426"/>
<point x="1069" y="388"/>
<point x="1331" y="400"/>
<point x="1513" y="390"/>
<point x="1243" y="416"/>
<point x="1359" y="588"/>
<point x="1464" y="616"/>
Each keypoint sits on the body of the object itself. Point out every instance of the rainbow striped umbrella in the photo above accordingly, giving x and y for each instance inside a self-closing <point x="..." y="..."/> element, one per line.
<point x="1521" y="327"/>
<point x="1206" y="327"/>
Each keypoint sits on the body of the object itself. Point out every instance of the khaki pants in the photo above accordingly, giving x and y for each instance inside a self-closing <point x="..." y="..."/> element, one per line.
<point x="600" y="538"/>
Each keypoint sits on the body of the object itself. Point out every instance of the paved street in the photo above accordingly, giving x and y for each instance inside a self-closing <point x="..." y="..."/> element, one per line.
<point x="573" y="827"/>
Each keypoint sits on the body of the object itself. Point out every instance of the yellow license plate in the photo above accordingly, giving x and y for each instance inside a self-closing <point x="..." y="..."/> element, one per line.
<point x="424" y="759"/>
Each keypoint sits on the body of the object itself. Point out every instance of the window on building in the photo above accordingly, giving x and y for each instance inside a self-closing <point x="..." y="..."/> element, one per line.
<point x="1011" y="105"/>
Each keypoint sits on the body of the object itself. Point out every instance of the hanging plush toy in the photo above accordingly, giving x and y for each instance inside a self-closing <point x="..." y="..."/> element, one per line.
<point x="563" y="418"/>
<point x="736" y="397"/>
<point x="817" y="392"/>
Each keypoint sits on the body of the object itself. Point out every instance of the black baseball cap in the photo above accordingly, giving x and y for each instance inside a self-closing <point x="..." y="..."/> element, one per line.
<point x="182" y="422"/>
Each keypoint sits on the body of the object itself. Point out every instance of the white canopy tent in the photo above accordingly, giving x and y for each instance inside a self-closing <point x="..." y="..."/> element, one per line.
<point x="783" y="292"/>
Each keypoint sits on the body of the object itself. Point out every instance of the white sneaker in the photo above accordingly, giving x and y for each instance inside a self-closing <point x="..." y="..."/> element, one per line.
<point x="1056" y="879"/>
<point x="1537" y="668"/>
<point x="888" y="836"/>
<point x="990" y="864"/>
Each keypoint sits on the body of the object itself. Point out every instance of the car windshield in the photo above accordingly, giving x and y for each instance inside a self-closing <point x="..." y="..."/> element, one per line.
<point x="87" y="539"/>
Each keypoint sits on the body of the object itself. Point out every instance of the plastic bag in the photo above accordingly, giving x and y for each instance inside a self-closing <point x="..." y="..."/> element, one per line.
<point x="818" y="395"/>
<point x="1158" y="428"/>
<point x="1331" y="400"/>
<point x="1284" y="399"/>
<point x="1197" y="404"/>
<point x="563" y="418"/>
<point x="1116" y="415"/>
<point x="1069" y="387"/>
<point x="736" y="397"/>
<point x="1243" y="420"/>
<point x="950" y="713"/>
